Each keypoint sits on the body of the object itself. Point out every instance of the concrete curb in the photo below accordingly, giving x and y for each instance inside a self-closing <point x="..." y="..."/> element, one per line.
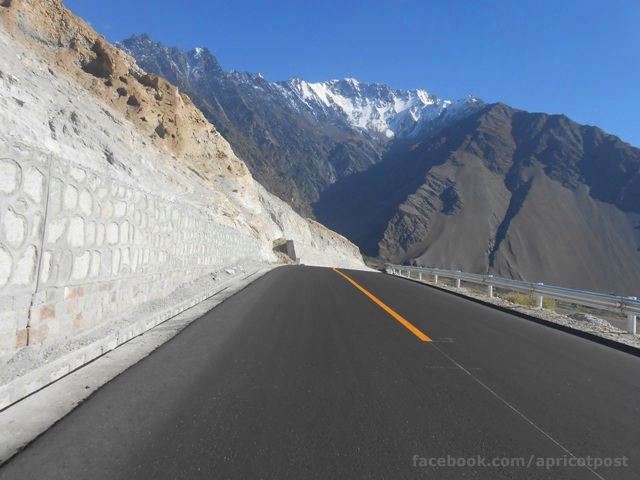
<point x="39" y="378"/>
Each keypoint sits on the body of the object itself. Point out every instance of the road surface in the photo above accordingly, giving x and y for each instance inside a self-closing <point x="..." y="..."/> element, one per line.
<point x="316" y="373"/>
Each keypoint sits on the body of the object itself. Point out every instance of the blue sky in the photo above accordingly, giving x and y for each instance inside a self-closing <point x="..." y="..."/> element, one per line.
<point x="580" y="58"/>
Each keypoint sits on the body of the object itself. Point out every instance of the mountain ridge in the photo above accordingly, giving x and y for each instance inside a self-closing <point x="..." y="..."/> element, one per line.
<point x="414" y="103"/>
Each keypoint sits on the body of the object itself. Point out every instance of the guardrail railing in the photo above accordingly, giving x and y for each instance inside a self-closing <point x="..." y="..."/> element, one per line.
<point x="629" y="306"/>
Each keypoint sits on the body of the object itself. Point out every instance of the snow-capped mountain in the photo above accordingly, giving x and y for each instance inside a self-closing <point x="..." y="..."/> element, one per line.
<point x="373" y="108"/>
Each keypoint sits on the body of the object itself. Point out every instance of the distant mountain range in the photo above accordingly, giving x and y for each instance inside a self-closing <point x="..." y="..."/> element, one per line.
<point x="297" y="137"/>
<point x="412" y="178"/>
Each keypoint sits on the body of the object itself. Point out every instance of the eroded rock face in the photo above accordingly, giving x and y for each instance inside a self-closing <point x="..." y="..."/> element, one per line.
<point x="145" y="100"/>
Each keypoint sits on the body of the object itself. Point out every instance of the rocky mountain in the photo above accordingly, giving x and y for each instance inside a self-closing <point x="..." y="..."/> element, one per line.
<point x="411" y="178"/>
<point x="296" y="137"/>
<point x="516" y="194"/>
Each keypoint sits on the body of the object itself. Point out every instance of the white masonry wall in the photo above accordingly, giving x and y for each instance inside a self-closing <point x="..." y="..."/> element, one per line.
<point x="78" y="248"/>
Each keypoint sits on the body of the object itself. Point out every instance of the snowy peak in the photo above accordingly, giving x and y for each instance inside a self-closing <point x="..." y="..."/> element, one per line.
<point x="371" y="107"/>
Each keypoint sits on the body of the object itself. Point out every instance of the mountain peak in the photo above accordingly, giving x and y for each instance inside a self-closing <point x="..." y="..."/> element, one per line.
<point x="351" y="81"/>
<point x="143" y="38"/>
<point x="201" y="52"/>
<point x="184" y="65"/>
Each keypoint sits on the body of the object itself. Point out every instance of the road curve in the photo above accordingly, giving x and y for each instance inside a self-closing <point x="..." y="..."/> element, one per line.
<point x="308" y="373"/>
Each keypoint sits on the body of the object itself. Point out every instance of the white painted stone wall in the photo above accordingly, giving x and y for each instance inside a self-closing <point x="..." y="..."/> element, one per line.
<point x="78" y="247"/>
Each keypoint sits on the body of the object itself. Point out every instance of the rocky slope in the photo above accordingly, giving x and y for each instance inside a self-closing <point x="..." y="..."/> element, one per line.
<point x="65" y="89"/>
<point x="517" y="194"/>
<point x="297" y="137"/>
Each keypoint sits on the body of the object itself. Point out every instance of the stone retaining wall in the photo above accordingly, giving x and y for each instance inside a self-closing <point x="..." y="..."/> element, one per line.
<point x="78" y="248"/>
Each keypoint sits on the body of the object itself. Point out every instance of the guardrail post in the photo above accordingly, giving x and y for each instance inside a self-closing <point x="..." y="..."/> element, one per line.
<point x="435" y="278"/>
<point x="631" y="324"/>
<point x="539" y="298"/>
<point x="631" y="321"/>
<point x="457" y="283"/>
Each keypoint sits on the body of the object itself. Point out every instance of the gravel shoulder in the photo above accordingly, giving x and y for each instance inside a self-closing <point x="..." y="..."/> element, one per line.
<point x="583" y="319"/>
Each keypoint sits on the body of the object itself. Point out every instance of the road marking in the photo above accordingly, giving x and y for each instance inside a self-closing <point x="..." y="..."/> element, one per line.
<point x="399" y="318"/>
<point x="527" y="419"/>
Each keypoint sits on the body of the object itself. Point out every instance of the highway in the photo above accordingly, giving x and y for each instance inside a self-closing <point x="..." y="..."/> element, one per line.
<point x="324" y="374"/>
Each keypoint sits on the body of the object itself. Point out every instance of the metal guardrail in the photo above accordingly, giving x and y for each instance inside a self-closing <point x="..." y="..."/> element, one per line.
<point x="628" y="306"/>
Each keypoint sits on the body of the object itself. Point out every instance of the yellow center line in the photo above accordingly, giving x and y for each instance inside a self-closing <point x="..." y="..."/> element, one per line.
<point x="399" y="318"/>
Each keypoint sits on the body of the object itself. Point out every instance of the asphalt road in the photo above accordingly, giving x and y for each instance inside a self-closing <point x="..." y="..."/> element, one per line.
<point x="303" y="375"/>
